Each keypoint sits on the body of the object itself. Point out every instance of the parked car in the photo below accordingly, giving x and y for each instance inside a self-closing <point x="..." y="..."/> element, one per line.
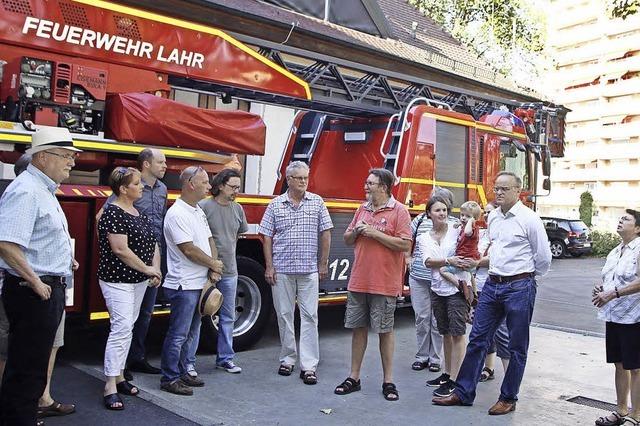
<point x="567" y="236"/>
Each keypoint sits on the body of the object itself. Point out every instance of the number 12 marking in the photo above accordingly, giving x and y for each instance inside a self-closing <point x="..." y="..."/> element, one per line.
<point x="342" y="276"/>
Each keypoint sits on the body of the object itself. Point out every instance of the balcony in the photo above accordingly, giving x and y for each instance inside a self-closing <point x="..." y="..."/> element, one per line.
<point x="596" y="131"/>
<point x="607" y="113"/>
<point x="611" y="174"/>
<point x="621" y="88"/>
<point x="580" y="15"/>
<point x="602" y="151"/>
<point x="620" y="26"/>
<point x="576" y="35"/>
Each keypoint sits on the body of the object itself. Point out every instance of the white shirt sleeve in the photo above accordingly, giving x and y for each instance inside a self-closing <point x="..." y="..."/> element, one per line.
<point x="178" y="230"/>
<point x="539" y="246"/>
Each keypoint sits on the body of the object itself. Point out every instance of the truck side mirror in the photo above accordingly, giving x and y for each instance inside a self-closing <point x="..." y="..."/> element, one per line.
<point x="546" y="184"/>
<point x="545" y="155"/>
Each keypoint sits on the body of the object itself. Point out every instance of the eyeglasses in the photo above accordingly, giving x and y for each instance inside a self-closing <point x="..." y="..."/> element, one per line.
<point x="369" y="183"/>
<point x="233" y="187"/>
<point x="300" y="178"/>
<point x="65" y="156"/>
<point x="195" y="172"/>
<point x="497" y="189"/>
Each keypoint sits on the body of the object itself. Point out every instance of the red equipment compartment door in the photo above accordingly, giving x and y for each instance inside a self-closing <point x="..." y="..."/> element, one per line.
<point x="77" y="213"/>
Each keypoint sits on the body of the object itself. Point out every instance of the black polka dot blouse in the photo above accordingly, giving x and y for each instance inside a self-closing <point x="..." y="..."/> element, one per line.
<point x="141" y="241"/>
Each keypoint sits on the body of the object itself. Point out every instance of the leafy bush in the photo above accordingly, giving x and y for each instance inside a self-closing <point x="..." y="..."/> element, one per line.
<point x="586" y="207"/>
<point x="603" y="242"/>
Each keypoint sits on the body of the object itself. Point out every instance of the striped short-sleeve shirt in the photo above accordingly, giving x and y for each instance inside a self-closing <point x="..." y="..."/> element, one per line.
<point x="620" y="270"/>
<point x="295" y="231"/>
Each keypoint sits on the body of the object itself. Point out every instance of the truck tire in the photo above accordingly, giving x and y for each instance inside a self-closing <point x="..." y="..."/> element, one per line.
<point x="253" y="309"/>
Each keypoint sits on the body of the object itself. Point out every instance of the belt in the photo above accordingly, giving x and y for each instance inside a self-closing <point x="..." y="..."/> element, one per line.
<point x="507" y="279"/>
<point x="47" y="279"/>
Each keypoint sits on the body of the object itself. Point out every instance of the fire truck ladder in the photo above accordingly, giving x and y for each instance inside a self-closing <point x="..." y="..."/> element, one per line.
<point x="346" y="88"/>
<point x="311" y="126"/>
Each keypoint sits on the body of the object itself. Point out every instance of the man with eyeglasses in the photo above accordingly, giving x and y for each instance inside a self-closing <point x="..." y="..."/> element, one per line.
<point x="292" y="226"/>
<point x="36" y="256"/>
<point x="518" y="253"/>
<point x="227" y="221"/>
<point x="152" y="164"/>
<point x="380" y="232"/>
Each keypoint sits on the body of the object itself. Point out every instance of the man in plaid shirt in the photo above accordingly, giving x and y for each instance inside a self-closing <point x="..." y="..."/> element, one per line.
<point x="292" y="225"/>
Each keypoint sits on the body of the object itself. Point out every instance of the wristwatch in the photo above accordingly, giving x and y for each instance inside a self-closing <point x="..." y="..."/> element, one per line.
<point x="446" y="262"/>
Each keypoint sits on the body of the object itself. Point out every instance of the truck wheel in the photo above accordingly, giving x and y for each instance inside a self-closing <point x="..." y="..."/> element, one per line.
<point x="253" y="309"/>
<point x="558" y="250"/>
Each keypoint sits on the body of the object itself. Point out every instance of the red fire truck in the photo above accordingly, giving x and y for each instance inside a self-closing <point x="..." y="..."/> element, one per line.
<point x="106" y="71"/>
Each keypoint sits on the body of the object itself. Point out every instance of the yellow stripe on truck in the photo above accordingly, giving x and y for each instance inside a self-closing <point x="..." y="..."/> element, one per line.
<point x="95" y="316"/>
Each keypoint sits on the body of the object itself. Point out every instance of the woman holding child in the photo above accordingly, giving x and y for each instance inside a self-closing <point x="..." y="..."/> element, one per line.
<point x="449" y="305"/>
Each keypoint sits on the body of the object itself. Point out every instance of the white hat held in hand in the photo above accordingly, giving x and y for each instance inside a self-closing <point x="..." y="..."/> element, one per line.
<point x="210" y="299"/>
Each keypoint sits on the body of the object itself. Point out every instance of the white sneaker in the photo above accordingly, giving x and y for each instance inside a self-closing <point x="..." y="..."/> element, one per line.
<point x="191" y="371"/>
<point x="230" y="367"/>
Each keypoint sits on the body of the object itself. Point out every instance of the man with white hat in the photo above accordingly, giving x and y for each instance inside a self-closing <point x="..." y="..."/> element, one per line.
<point x="35" y="256"/>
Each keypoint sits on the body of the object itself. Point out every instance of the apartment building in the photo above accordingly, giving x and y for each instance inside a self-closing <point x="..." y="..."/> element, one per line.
<point x="597" y="76"/>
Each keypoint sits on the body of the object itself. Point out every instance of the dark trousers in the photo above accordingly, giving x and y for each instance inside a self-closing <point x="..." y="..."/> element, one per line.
<point x="514" y="301"/>
<point x="32" y="328"/>
<point x="137" y="352"/>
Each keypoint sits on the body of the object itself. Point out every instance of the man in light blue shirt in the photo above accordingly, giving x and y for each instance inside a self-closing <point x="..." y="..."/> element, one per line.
<point x="36" y="256"/>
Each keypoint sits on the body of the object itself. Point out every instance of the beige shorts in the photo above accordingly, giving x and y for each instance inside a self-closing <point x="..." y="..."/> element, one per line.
<point x="370" y="310"/>
<point x="58" y="342"/>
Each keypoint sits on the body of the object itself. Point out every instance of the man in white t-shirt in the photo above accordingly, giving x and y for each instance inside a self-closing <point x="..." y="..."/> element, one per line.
<point x="191" y="258"/>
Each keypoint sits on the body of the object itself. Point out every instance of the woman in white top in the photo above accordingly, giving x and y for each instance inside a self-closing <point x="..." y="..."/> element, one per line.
<point x="449" y="305"/>
<point x="619" y="301"/>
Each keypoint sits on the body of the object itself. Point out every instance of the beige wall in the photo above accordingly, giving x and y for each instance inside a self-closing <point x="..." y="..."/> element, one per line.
<point x="597" y="76"/>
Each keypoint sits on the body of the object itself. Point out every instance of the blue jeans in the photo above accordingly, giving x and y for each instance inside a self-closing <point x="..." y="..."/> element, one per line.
<point x="183" y="334"/>
<point x="513" y="301"/>
<point x="500" y="344"/>
<point x="137" y="352"/>
<point x="227" y="318"/>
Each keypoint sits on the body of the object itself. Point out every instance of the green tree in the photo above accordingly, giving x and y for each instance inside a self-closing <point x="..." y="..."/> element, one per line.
<point x="508" y="34"/>
<point x="510" y="23"/>
<point x="586" y="207"/>
<point x="623" y="8"/>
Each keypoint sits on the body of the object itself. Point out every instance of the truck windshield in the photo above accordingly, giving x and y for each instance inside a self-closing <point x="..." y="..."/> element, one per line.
<point x="514" y="160"/>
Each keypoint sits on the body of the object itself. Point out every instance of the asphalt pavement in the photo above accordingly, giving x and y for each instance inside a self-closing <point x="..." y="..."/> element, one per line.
<point x="564" y="296"/>
<point x="562" y="365"/>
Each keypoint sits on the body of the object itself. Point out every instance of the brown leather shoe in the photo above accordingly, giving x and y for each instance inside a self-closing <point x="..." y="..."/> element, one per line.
<point x="452" y="399"/>
<point x="502" y="407"/>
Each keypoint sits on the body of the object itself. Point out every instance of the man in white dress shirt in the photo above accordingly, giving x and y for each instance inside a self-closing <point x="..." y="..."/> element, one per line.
<point x="519" y="251"/>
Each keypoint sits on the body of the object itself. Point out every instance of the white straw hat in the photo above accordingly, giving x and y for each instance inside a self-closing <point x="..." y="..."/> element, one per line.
<point x="51" y="137"/>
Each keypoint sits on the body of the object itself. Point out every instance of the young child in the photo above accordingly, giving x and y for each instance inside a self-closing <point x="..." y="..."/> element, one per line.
<point x="467" y="247"/>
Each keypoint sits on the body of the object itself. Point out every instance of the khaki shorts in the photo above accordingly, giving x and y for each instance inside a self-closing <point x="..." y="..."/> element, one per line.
<point x="450" y="313"/>
<point x="370" y="310"/>
<point x="58" y="342"/>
